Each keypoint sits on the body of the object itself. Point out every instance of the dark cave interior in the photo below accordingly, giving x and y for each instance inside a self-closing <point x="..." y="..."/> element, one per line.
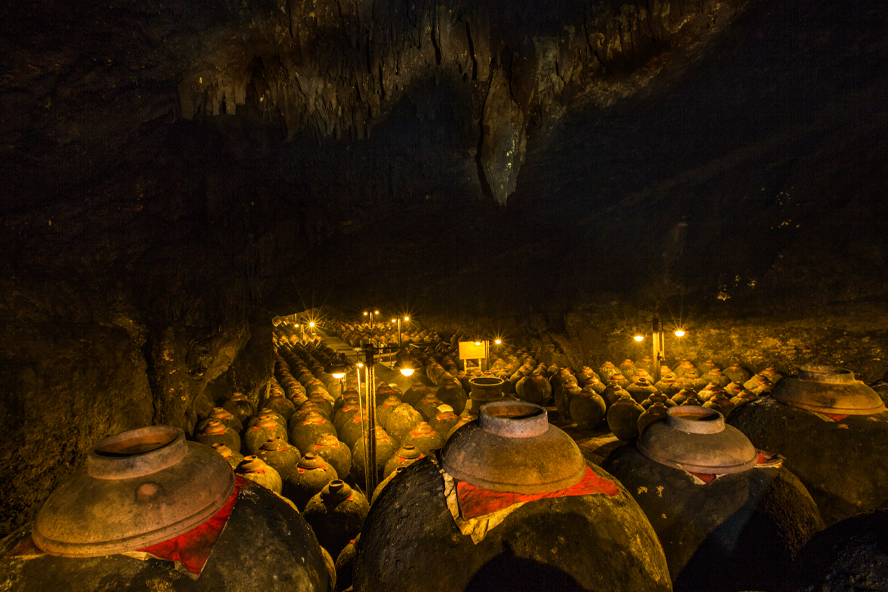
<point x="176" y="174"/>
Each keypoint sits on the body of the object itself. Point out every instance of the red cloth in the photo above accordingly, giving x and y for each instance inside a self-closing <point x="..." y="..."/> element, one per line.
<point x="835" y="416"/>
<point x="475" y="501"/>
<point x="764" y="458"/>
<point x="193" y="548"/>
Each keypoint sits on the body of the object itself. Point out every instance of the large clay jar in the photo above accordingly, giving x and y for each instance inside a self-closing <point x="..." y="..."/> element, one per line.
<point x="283" y="458"/>
<point x="484" y="390"/>
<point x="415" y="393"/>
<point x="534" y="389"/>
<point x="385" y="448"/>
<point x="305" y="433"/>
<point x="428" y="406"/>
<point x="444" y="420"/>
<point x="334" y="452"/>
<point x="345" y="414"/>
<point x="606" y="371"/>
<point x="280" y="404"/>
<point x="740" y="531"/>
<point x="352" y="429"/>
<point x="337" y="515"/>
<point x="641" y="389"/>
<point x="239" y="406"/>
<point x="264" y="414"/>
<point x="833" y="431"/>
<point x="215" y="432"/>
<point x="622" y="417"/>
<point x="451" y="393"/>
<point x="737" y="373"/>
<point x="587" y="409"/>
<point x="563" y="395"/>
<point x="257" y="470"/>
<point x="228" y="454"/>
<point x="149" y="489"/>
<point x="424" y="437"/>
<point x="403" y="457"/>
<point x="312" y="474"/>
<point x="385" y="408"/>
<point x="849" y="556"/>
<point x="225" y="417"/>
<point x="403" y="419"/>
<point x="257" y="435"/>
<point x="596" y="540"/>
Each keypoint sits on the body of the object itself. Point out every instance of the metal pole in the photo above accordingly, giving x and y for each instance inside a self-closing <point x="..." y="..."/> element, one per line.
<point x="399" y="332"/>
<point x="370" y="442"/>
<point x="657" y="339"/>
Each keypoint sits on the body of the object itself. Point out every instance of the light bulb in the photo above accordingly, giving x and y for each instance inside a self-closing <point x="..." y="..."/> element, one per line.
<point x="679" y="332"/>
<point x="639" y="338"/>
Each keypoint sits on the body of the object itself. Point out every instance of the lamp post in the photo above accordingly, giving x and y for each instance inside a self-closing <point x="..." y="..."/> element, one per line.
<point x="658" y="339"/>
<point x="398" y="320"/>
<point x="406" y="366"/>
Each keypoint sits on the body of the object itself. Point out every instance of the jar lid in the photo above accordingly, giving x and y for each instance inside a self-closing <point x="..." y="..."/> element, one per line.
<point x="696" y="439"/>
<point x="139" y="488"/>
<point x="511" y="447"/>
<point x="828" y="389"/>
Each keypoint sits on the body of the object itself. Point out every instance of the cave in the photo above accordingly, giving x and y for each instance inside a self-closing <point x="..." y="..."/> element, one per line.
<point x="559" y="174"/>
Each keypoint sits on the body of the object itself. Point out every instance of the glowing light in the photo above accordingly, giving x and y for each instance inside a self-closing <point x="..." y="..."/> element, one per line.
<point x="394" y="320"/>
<point x="311" y="324"/>
<point x="639" y="338"/>
<point x="375" y="312"/>
<point x="498" y="341"/>
<point x="338" y="375"/>
<point x="406" y="318"/>
<point x="477" y="343"/>
<point x="406" y="371"/>
<point x="360" y="364"/>
<point x="679" y="333"/>
<point x="365" y="313"/>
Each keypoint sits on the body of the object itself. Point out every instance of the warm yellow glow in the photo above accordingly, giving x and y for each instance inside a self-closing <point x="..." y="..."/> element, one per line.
<point x="375" y="312"/>
<point x="338" y="375"/>
<point x="394" y="320"/>
<point x="360" y="364"/>
<point x="406" y="371"/>
<point x="406" y="318"/>
<point x="679" y="332"/>
<point x="365" y="313"/>
<point x="639" y="338"/>
<point x="311" y="324"/>
<point x="498" y="341"/>
<point x="477" y="343"/>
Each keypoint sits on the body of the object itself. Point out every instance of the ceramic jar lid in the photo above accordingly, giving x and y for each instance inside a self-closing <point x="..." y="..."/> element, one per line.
<point x="828" y="389"/>
<point x="139" y="488"/>
<point x="512" y="448"/>
<point x="696" y="439"/>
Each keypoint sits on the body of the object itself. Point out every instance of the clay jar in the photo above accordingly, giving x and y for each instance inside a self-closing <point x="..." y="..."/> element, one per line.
<point x="225" y="417"/>
<point x="721" y="403"/>
<point x="737" y="373"/>
<point x="560" y="543"/>
<point x="842" y="463"/>
<point x="351" y="429"/>
<point x="428" y="406"/>
<point x="622" y="417"/>
<point x="334" y="452"/>
<point x="534" y="389"/>
<point x="345" y="414"/>
<point x="215" y="432"/>
<point x="627" y="368"/>
<point x="658" y="398"/>
<point x="563" y="396"/>
<point x="451" y="393"/>
<point x="587" y="409"/>
<point x="607" y="370"/>
<point x="336" y="515"/>
<point x="641" y="389"/>
<point x="228" y="454"/>
<point x="280" y="405"/>
<point x="148" y="486"/>
<point x="403" y="419"/>
<point x="312" y="474"/>
<point x="256" y="470"/>
<point x="612" y="393"/>
<point x="444" y="420"/>
<point x="415" y="393"/>
<point x="283" y="458"/>
<point x="403" y="457"/>
<point x="385" y="448"/>
<point x="240" y="407"/>
<point x="741" y="530"/>
<point x="384" y="409"/>
<point x="849" y="555"/>
<point x="424" y="437"/>
<point x="257" y="435"/>
<point x="305" y="433"/>
<point x="264" y="414"/>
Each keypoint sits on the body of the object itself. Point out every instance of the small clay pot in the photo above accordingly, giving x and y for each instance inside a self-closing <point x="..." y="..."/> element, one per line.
<point x="239" y="406"/>
<point x="305" y="433"/>
<point x="313" y="473"/>
<point x="587" y="409"/>
<point x="257" y="470"/>
<point x="622" y="417"/>
<point x="228" y="454"/>
<point x="215" y="432"/>
<point x="425" y="438"/>
<point x="334" y="452"/>
<point x="336" y="514"/>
